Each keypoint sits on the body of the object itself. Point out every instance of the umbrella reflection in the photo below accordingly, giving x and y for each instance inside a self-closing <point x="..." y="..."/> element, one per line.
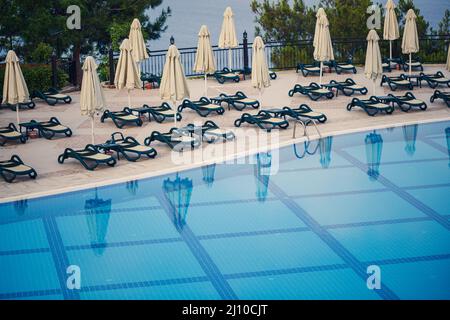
<point x="325" y="145"/>
<point x="410" y="136"/>
<point x="178" y="192"/>
<point x="262" y="170"/>
<point x="21" y="207"/>
<point x="132" y="187"/>
<point x="97" y="215"/>
<point x="209" y="174"/>
<point x="447" y="134"/>
<point x="374" y="149"/>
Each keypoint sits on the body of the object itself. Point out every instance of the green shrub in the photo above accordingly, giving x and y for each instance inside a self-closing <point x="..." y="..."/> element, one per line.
<point x="42" y="53"/>
<point x="37" y="77"/>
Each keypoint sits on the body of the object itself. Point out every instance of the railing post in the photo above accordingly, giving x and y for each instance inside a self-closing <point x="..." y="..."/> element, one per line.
<point x="111" y="66"/>
<point x="54" y="71"/>
<point x="245" y="49"/>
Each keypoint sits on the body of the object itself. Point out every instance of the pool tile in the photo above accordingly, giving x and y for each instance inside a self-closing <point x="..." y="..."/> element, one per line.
<point x="391" y="241"/>
<point x="29" y="234"/>
<point x="321" y="285"/>
<point x="241" y="217"/>
<point x="117" y="227"/>
<point x="269" y="252"/>
<point x="312" y="161"/>
<point x="357" y="208"/>
<point x="119" y="265"/>
<point x="424" y="280"/>
<point x="435" y="198"/>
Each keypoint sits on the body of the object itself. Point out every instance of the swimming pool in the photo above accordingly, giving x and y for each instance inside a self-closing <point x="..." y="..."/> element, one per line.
<point x="304" y="228"/>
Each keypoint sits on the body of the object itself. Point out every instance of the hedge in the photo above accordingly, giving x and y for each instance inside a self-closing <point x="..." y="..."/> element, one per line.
<point x="37" y="77"/>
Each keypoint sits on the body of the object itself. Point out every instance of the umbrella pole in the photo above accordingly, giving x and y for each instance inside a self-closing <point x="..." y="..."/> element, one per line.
<point x="260" y="99"/>
<point x="390" y="51"/>
<point x="321" y="71"/>
<point x="129" y="98"/>
<point x="206" y="84"/>
<point x="176" y="110"/>
<point x="92" y="129"/>
<point x="17" y="114"/>
<point x="229" y="59"/>
<point x="410" y="65"/>
<point x="373" y="87"/>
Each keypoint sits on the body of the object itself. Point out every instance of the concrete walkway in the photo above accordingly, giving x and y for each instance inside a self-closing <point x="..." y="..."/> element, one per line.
<point x="55" y="178"/>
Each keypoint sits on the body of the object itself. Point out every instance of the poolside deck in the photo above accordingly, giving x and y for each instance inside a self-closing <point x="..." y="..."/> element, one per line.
<point x="55" y="178"/>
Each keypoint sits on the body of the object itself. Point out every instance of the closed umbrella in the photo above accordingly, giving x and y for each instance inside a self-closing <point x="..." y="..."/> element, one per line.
<point x="391" y="31"/>
<point x="204" y="60"/>
<point x="228" y="39"/>
<point x="373" y="67"/>
<point x="260" y="70"/>
<point x="410" y="42"/>
<point x="127" y="75"/>
<point x="448" y="59"/>
<point x="15" y="90"/>
<point x="137" y="43"/>
<point x="92" y="99"/>
<point x="323" y="48"/>
<point x="173" y="82"/>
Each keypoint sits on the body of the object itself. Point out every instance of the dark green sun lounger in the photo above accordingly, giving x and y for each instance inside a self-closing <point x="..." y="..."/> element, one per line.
<point x="128" y="147"/>
<point x="302" y="112"/>
<point x="46" y="129"/>
<point x="175" y="139"/>
<point x="415" y="65"/>
<point x="371" y="106"/>
<point x="204" y="107"/>
<point x="263" y="120"/>
<point x="441" y="95"/>
<point x="121" y="118"/>
<point x="239" y="101"/>
<point x="30" y="104"/>
<point x="10" y="133"/>
<point x="434" y="80"/>
<point x="400" y="82"/>
<point x="52" y="96"/>
<point x="340" y="67"/>
<point x="209" y="132"/>
<point x="307" y="69"/>
<point x="90" y="157"/>
<point x="313" y="91"/>
<point x="226" y="75"/>
<point x="158" y="113"/>
<point x="405" y="102"/>
<point x="349" y="87"/>
<point x="11" y="169"/>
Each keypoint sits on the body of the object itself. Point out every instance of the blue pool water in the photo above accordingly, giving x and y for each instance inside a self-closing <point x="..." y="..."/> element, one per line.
<point x="308" y="231"/>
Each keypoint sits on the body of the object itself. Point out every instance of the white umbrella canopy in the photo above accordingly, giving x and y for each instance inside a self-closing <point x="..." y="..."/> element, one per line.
<point x="260" y="70"/>
<point x="127" y="75"/>
<point x="137" y="41"/>
<point x="15" y="89"/>
<point x="204" y="59"/>
<point x="228" y="39"/>
<point x="373" y="68"/>
<point x="391" y="31"/>
<point x="173" y="86"/>
<point x="323" y="48"/>
<point x="410" y="43"/>
<point x="92" y="99"/>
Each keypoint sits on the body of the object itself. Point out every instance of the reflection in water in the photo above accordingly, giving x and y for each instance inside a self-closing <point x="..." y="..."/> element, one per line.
<point x="21" y="207"/>
<point x="410" y="136"/>
<point x="97" y="215"/>
<point x="208" y="174"/>
<point x="447" y="134"/>
<point x="325" y="145"/>
<point x="262" y="174"/>
<point x="132" y="187"/>
<point x="374" y="149"/>
<point x="178" y="192"/>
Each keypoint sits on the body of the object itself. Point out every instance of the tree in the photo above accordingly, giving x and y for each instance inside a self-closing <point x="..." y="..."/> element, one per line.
<point x="444" y="25"/>
<point x="422" y="25"/>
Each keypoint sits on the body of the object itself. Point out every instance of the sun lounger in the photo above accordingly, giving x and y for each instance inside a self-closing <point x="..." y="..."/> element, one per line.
<point x="313" y="91"/>
<point x="175" y="139"/>
<point x="341" y="66"/>
<point x="10" y="133"/>
<point x="248" y="71"/>
<point x="209" y="132"/>
<point x="441" y="95"/>
<point x="306" y="69"/>
<point x="204" y="107"/>
<point x="371" y="106"/>
<point x="52" y="96"/>
<point x="239" y="101"/>
<point x="10" y="169"/>
<point x="128" y="147"/>
<point x="415" y="65"/>
<point x="263" y="120"/>
<point x="90" y="157"/>
<point x="121" y="118"/>
<point x="159" y="113"/>
<point x="302" y="112"/>
<point x="405" y="102"/>
<point x="397" y="82"/>
<point x="226" y="75"/>
<point x="150" y="78"/>
<point x="30" y="104"/>
<point x="434" y="80"/>
<point x="349" y="87"/>
<point x="46" y="129"/>
<point x="386" y="65"/>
